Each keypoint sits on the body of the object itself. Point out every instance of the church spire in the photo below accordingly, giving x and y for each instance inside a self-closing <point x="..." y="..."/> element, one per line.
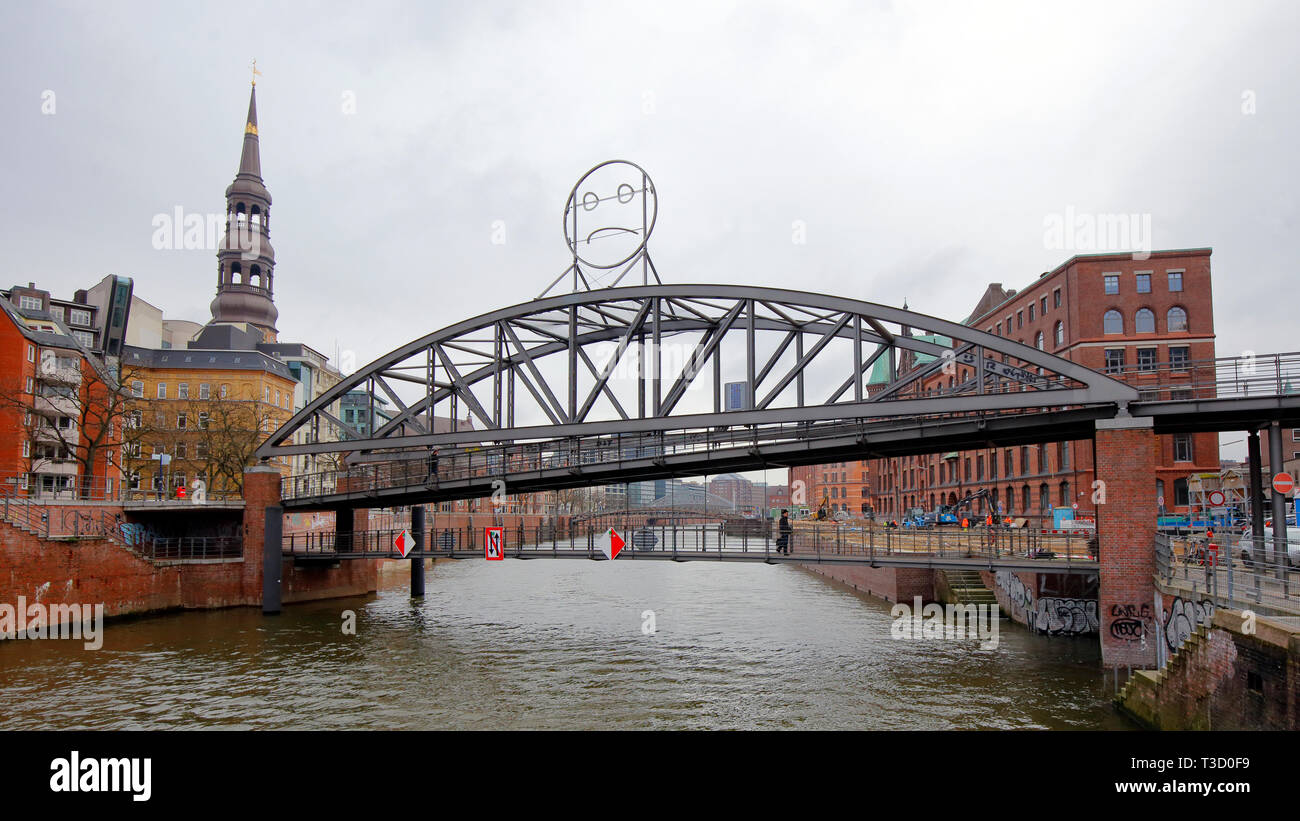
<point x="245" y="260"/>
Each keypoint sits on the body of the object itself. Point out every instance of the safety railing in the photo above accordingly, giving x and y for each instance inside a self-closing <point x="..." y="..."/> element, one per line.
<point x="811" y="543"/>
<point x="190" y="548"/>
<point x="56" y="490"/>
<point x="1238" y="573"/>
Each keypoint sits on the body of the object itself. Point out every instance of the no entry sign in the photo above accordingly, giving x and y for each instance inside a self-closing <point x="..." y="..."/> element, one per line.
<point x="493" y="541"/>
<point x="1283" y="483"/>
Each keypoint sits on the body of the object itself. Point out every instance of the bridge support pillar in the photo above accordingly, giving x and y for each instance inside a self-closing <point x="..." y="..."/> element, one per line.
<point x="263" y="555"/>
<point x="272" y="560"/>
<point x="1125" y="459"/>
<point x="417" y="554"/>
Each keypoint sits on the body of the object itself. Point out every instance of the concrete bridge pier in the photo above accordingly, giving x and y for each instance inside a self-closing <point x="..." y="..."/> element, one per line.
<point x="1124" y="455"/>
<point x="417" y="554"/>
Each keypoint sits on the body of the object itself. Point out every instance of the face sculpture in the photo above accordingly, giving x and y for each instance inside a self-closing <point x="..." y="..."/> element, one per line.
<point x="610" y="214"/>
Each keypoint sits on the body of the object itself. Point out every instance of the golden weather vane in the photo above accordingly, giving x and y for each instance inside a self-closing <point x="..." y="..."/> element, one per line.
<point x="256" y="73"/>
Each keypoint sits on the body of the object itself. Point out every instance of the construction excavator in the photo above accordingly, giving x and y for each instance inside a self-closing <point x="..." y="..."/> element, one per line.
<point x="824" y="509"/>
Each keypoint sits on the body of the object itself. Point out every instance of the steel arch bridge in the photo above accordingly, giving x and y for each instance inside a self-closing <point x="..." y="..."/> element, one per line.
<point x="621" y="384"/>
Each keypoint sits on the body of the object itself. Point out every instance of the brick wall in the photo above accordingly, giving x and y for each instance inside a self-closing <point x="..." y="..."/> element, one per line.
<point x="895" y="584"/>
<point x="1125" y="460"/>
<point x="1225" y="677"/>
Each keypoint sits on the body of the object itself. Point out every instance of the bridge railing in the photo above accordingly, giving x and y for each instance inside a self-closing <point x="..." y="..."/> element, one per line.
<point x="1232" y="571"/>
<point x="700" y="540"/>
<point x="190" y="548"/>
<point x="1227" y="377"/>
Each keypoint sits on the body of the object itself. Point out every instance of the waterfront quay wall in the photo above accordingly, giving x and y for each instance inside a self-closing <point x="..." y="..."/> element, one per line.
<point x="1058" y="604"/>
<point x="1232" y="673"/>
<point x="895" y="584"/>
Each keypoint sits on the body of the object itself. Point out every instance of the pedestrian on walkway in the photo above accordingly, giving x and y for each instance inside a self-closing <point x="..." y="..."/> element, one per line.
<point x="784" y="529"/>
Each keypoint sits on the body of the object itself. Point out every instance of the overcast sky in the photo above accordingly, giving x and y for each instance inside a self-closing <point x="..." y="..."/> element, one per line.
<point x="921" y="145"/>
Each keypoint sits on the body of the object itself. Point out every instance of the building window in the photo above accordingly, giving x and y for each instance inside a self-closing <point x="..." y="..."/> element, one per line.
<point x="1038" y="341"/>
<point x="181" y="421"/>
<point x="1024" y="463"/>
<point x="85" y="338"/>
<point x="1044" y="500"/>
<point x="1024" y="497"/>
<point x="999" y="330"/>
<point x="1009" y="464"/>
<point x="1177" y="320"/>
<point x="183" y="390"/>
<point x="181" y="450"/>
<point x="1146" y="359"/>
<point x="76" y="316"/>
<point x="205" y="390"/>
<point x="1063" y="455"/>
<point x="1031" y="312"/>
<point x="203" y="420"/>
<point x="1056" y="298"/>
<point x="1144" y="322"/>
<point x="137" y="389"/>
<point x="1181" y="497"/>
<point x="1179" y="357"/>
<point x="1112" y="283"/>
<point x="1144" y="283"/>
<point x="31" y="353"/>
<point x="30" y="303"/>
<point x="162" y="390"/>
<point x="1020" y="319"/>
<point x="1114" y="360"/>
<point x="201" y="450"/>
<point x="223" y="391"/>
<point x="1183" y="447"/>
<point x="1175" y="281"/>
<point x="1112" y="322"/>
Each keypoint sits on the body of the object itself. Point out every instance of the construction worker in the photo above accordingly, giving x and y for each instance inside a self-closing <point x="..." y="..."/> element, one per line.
<point x="988" y="522"/>
<point x="965" y="523"/>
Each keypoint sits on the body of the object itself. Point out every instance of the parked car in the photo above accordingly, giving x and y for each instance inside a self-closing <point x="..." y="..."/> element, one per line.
<point x="1246" y="548"/>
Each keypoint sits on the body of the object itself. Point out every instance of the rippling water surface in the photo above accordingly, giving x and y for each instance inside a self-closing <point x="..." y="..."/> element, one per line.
<point x="557" y="644"/>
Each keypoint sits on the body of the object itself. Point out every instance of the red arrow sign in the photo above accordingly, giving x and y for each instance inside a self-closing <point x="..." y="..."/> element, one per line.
<point x="1283" y="483"/>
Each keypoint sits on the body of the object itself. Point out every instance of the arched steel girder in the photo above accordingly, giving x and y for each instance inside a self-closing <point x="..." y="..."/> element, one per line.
<point x="479" y="362"/>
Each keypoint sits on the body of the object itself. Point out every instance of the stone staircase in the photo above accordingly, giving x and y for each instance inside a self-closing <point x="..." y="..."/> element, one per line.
<point x="1140" y="695"/>
<point x="967" y="587"/>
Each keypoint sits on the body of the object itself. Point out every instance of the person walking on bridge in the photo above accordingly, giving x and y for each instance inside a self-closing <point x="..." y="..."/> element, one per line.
<point x="785" y="529"/>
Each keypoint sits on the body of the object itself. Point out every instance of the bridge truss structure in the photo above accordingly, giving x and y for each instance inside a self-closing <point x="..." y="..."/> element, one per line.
<point x="622" y="384"/>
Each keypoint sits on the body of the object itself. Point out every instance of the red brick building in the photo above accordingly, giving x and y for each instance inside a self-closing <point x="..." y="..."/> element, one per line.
<point x="845" y="486"/>
<point x="1144" y="321"/>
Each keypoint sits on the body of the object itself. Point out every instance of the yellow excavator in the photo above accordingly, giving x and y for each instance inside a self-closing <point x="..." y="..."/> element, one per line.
<point x="824" y="509"/>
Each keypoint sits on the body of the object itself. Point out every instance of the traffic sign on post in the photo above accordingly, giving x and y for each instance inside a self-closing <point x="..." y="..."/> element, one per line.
<point x="493" y="543"/>
<point x="610" y="543"/>
<point x="1216" y="498"/>
<point x="1283" y="483"/>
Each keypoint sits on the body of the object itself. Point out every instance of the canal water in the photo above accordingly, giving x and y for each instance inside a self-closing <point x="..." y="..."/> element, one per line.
<point x="558" y="644"/>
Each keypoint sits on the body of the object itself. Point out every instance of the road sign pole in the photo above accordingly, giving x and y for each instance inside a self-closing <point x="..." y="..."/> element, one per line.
<point x="1279" y="499"/>
<point x="1256" y="494"/>
<point x="417" y="552"/>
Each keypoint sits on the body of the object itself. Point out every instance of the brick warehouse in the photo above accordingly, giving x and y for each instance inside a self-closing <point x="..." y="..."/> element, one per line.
<point x="1134" y="319"/>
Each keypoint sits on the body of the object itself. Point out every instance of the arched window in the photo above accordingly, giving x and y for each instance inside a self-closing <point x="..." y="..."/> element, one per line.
<point x="1060" y="334"/>
<point x="1011" y="499"/>
<point x="1113" y="322"/>
<point x="1144" y="322"/>
<point x="237" y="274"/>
<point x="1044" y="501"/>
<point x="1176" y="320"/>
<point x="1065" y="494"/>
<point x="1024" y="498"/>
<point x="1038" y="341"/>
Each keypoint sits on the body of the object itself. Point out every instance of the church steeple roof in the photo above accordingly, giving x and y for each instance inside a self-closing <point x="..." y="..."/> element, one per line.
<point x="249" y="178"/>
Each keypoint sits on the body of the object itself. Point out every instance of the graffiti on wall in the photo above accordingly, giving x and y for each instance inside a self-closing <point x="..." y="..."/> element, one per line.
<point x="1051" y="615"/>
<point x="1181" y="618"/>
<point x="1130" y="622"/>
